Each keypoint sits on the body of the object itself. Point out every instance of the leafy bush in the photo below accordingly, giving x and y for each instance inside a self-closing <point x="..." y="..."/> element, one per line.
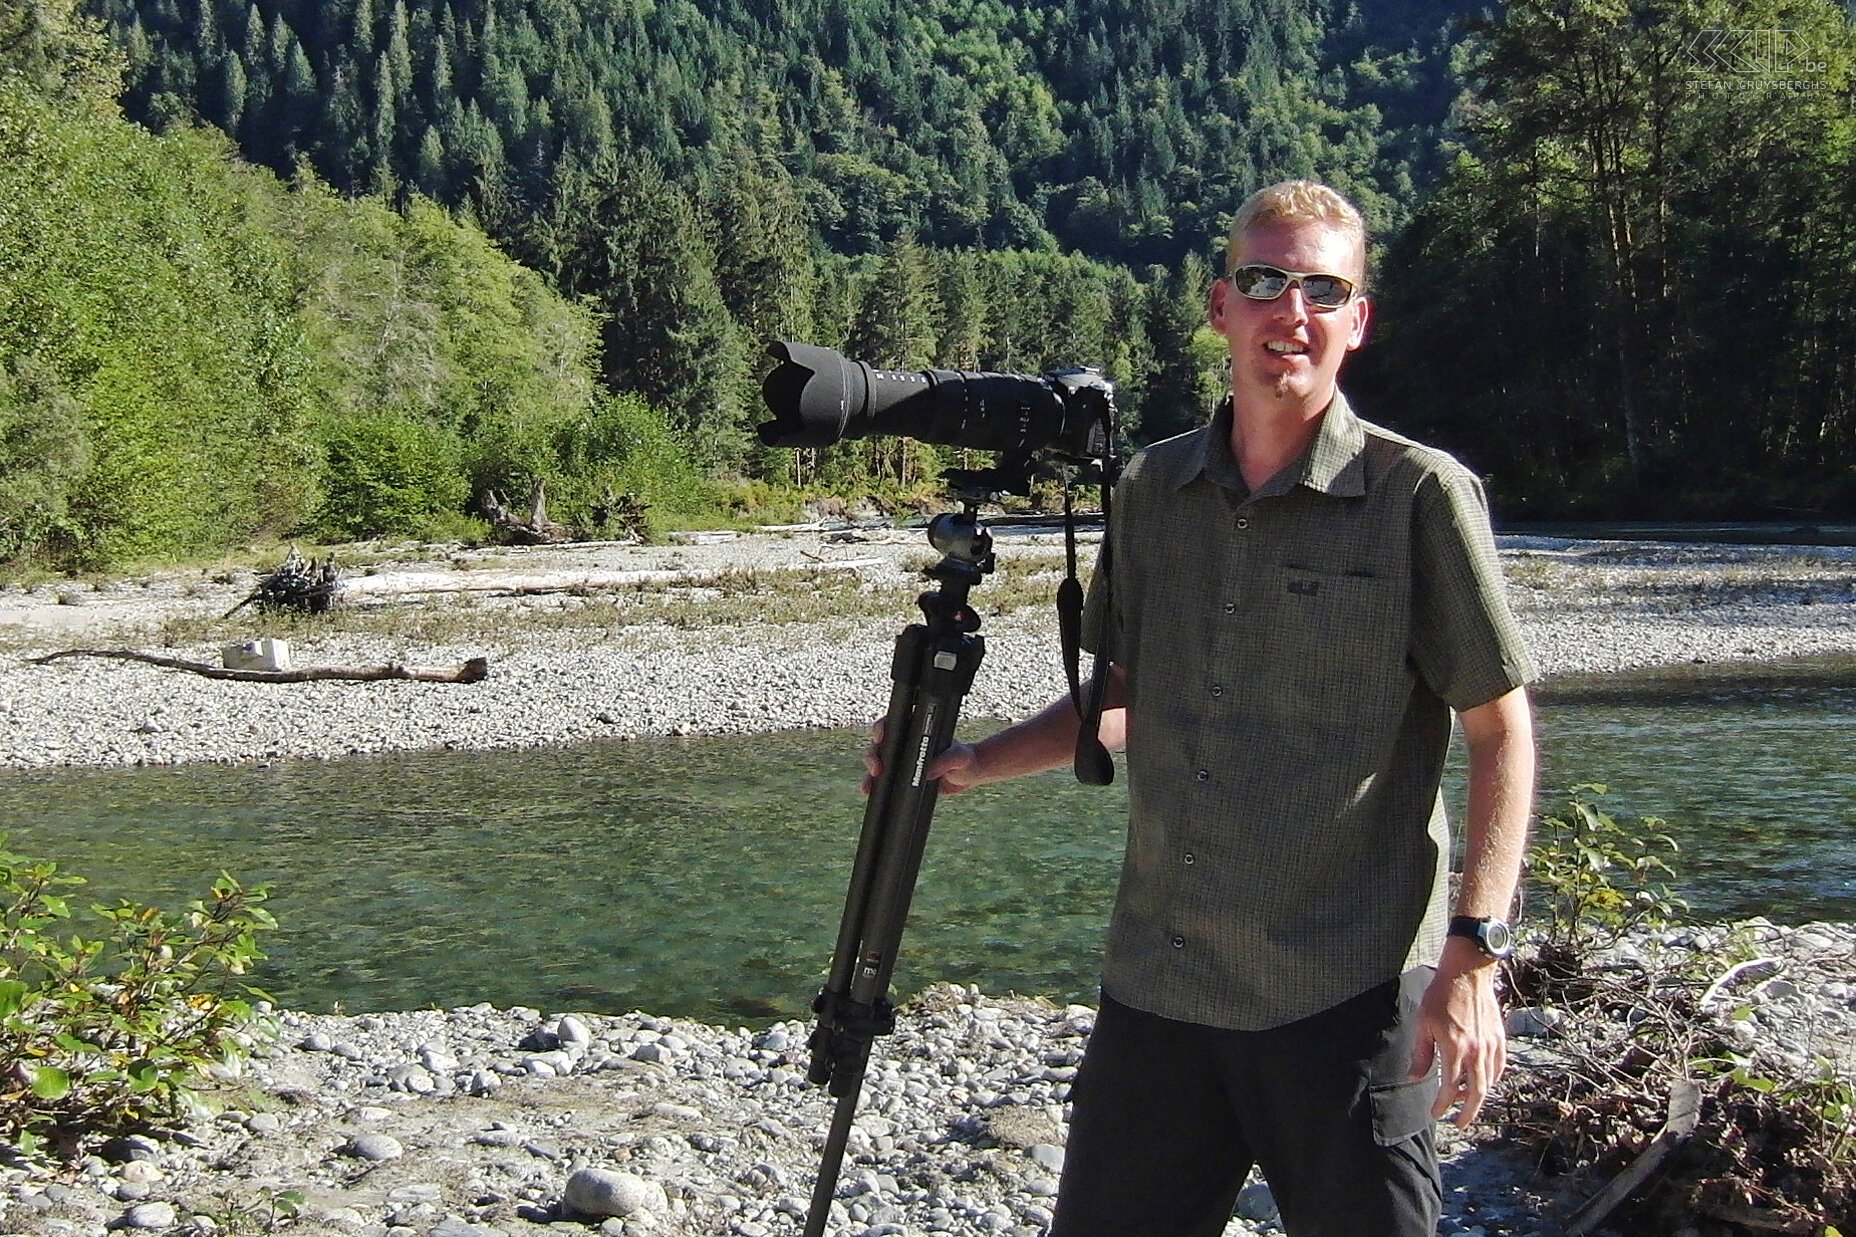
<point x="43" y="450"/>
<point x="389" y="473"/>
<point x="115" y="1031"/>
<point x="1602" y="877"/>
<point x="622" y="445"/>
<point x="1640" y="1023"/>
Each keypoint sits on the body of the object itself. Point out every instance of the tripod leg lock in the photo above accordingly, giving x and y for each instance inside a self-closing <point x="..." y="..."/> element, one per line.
<point x="841" y="1042"/>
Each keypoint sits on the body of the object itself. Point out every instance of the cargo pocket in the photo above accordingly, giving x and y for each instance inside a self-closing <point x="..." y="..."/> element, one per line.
<point x="1402" y="1109"/>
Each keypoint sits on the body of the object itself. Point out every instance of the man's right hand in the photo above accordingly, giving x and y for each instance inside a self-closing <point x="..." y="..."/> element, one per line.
<point x="957" y="767"/>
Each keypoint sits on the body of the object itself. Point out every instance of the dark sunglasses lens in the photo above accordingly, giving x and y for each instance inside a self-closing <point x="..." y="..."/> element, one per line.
<point x="1262" y="283"/>
<point x="1327" y="291"/>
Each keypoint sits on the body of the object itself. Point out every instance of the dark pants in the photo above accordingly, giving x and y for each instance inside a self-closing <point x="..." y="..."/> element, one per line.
<point x="1168" y="1118"/>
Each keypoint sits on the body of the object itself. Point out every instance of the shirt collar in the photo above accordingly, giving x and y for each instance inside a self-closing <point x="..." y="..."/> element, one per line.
<point x="1334" y="464"/>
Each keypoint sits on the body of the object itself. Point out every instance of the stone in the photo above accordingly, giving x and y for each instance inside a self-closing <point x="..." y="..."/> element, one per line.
<point x="1533" y="1021"/>
<point x="149" y="1215"/>
<point x="611" y="1192"/>
<point x="130" y="1147"/>
<point x="437" y="1059"/>
<point x="1256" y="1204"/>
<point x="455" y="1226"/>
<point x="1046" y="1155"/>
<point x="336" y="1217"/>
<point x="570" y="1030"/>
<point x="374" y="1147"/>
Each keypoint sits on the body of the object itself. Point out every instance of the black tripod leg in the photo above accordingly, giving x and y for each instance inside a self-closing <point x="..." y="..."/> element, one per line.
<point x="931" y="677"/>
<point x="905" y="674"/>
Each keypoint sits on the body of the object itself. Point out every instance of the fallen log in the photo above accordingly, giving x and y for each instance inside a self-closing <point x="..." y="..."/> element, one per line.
<point x="396" y="583"/>
<point x="1684" y="1113"/>
<point x="473" y="671"/>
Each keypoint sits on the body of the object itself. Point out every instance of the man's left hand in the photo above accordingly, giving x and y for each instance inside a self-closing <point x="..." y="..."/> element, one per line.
<point x="1460" y="1028"/>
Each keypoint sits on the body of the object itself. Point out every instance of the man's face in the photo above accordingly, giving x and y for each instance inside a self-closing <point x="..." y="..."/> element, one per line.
<point x="1288" y="350"/>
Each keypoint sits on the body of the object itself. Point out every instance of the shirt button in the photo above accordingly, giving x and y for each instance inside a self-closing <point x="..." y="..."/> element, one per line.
<point x="1230" y="607"/>
<point x="1217" y="689"/>
<point x="1243" y="522"/>
<point x="1204" y="775"/>
<point x="1190" y="860"/>
<point x="1179" y="942"/>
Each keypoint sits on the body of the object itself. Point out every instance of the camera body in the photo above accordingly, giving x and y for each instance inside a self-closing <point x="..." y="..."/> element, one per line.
<point x="818" y="397"/>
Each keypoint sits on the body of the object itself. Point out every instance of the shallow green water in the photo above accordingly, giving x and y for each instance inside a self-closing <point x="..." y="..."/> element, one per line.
<point x="705" y="877"/>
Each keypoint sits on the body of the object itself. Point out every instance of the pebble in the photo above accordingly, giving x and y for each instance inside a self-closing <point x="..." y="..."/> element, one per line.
<point x="149" y="1215"/>
<point x="375" y="1147"/>
<point x="609" y="1192"/>
<point x="1256" y="1203"/>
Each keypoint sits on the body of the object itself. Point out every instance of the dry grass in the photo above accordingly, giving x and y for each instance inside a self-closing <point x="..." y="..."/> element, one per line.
<point x="731" y="599"/>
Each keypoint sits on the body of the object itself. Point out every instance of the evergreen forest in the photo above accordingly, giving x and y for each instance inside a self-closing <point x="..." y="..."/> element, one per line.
<point x="344" y="267"/>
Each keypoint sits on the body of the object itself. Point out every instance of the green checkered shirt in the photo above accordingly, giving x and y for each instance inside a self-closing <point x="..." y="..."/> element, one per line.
<point x="1293" y="657"/>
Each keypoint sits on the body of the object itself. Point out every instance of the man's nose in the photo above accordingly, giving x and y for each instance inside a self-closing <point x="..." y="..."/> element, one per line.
<point x="1292" y="306"/>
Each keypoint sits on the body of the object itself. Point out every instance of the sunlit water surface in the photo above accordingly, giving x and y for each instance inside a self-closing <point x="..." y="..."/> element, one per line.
<point x="705" y="877"/>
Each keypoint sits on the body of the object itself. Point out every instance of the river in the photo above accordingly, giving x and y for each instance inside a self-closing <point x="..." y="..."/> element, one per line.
<point x="704" y="877"/>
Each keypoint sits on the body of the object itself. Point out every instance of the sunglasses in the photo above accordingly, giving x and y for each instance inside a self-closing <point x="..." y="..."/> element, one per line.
<point x="1266" y="283"/>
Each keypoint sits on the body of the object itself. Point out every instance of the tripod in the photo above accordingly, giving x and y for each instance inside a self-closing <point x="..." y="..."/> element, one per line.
<point x="933" y="667"/>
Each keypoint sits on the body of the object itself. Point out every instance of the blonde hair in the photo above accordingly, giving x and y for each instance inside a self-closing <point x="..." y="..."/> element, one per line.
<point x="1298" y="201"/>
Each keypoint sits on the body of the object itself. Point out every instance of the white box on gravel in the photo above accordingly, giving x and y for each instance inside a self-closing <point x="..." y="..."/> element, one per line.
<point x="265" y="654"/>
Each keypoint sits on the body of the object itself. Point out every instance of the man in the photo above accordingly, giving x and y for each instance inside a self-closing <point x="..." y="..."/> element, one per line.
<point x="1298" y="602"/>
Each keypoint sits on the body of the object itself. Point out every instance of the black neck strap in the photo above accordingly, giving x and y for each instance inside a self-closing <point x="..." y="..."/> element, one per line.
<point x="1092" y="763"/>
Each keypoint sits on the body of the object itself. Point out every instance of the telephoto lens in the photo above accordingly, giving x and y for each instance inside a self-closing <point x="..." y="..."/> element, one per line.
<point x="818" y="397"/>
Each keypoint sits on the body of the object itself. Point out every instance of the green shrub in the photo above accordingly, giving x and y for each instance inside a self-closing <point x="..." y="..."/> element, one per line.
<point x="622" y="445"/>
<point x="1601" y="876"/>
<point x="43" y="450"/>
<point x="111" y="1032"/>
<point x="1636" y="1031"/>
<point x="388" y="473"/>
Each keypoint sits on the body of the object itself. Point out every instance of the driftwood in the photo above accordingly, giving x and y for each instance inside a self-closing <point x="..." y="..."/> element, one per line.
<point x="473" y="671"/>
<point x="623" y="515"/>
<point x="1684" y="1114"/>
<point x="312" y="585"/>
<point x="620" y="516"/>
<point x="397" y="583"/>
<point x="533" y="529"/>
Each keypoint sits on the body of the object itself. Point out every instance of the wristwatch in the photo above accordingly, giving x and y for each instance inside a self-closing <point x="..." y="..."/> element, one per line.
<point x="1492" y="936"/>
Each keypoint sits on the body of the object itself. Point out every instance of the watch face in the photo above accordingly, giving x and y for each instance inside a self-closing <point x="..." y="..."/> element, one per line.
<point x="1497" y="940"/>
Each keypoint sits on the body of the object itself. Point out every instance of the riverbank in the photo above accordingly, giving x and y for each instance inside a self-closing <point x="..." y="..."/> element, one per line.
<point x="475" y="1122"/>
<point x="472" y="1122"/>
<point x="743" y="634"/>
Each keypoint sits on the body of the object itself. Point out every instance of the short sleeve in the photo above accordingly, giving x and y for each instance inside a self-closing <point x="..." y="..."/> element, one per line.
<point x="1465" y="643"/>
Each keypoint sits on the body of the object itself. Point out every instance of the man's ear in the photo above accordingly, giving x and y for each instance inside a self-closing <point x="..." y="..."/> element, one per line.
<point x="1362" y="309"/>
<point x="1215" y="303"/>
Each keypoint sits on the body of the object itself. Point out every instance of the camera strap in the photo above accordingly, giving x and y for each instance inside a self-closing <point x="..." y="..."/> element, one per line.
<point x="1092" y="764"/>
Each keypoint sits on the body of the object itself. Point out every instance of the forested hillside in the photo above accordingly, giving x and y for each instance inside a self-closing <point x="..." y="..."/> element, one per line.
<point x="502" y="242"/>
<point x="193" y="353"/>
<point x="970" y="183"/>
<point x="1121" y="129"/>
<point x="1635" y="292"/>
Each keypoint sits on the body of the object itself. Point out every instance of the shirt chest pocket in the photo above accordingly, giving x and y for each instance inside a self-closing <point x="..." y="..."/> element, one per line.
<point x="1336" y="647"/>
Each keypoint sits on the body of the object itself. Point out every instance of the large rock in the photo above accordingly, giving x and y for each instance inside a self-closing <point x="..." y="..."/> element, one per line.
<point x="610" y="1192"/>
